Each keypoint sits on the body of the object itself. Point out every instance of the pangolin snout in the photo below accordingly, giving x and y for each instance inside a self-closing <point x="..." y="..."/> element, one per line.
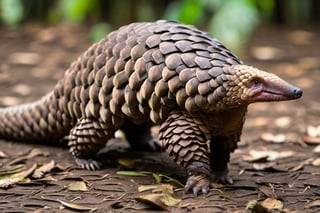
<point x="297" y="92"/>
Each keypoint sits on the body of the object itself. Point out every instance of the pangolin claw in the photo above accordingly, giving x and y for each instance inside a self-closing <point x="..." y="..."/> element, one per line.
<point x="88" y="164"/>
<point x="221" y="177"/>
<point x="197" y="184"/>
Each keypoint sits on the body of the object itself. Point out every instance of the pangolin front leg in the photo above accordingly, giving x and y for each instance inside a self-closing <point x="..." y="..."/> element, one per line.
<point x="86" y="139"/>
<point x="220" y="149"/>
<point x="185" y="139"/>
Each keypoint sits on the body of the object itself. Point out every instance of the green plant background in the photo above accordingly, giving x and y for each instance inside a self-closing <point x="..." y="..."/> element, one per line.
<point x="230" y="21"/>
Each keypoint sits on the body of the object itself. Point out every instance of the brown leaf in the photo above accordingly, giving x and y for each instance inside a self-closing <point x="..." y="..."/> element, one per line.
<point x="301" y="165"/>
<point x="153" y="200"/>
<point x="76" y="206"/>
<point x="78" y="186"/>
<point x="267" y="191"/>
<point x="128" y="163"/>
<point x="256" y="207"/>
<point x="272" y="203"/>
<point x="166" y="188"/>
<point x="33" y="153"/>
<point x="316" y="162"/>
<point x="283" y="122"/>
<point x="311" y="140"/>
<point x="269" y="137"/>
<point x="313" y="131"/>
<point x="6" y="181"/>
<point x="159" y="200"/>
<point x="3" y="154"/>
<point x="162" y="196"/>
<point x="47" y="167"/>
<point x="270" y="155"/>
<point x="317" y="149"/>
<point x="270" y="166"/>
<point x="312" y="204"/>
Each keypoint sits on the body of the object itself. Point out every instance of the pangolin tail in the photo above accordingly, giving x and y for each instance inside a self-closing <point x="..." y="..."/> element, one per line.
<point x="39" y="121"/>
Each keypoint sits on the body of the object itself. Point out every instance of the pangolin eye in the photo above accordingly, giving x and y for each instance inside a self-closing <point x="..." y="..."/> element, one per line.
<point x="256" y="81"/>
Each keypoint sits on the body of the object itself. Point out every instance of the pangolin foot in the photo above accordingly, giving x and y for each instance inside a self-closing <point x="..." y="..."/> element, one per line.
<point x="88" y="164"/>
<point x="197" y="184"/>
<point x="221" y="177"/>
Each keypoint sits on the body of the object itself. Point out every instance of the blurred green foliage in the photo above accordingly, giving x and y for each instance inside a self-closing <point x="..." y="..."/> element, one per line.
<point x="242" y="19"/>
<point x="11" y="12"/>
<point x="77" y="10"/>
<point x="231" y="21"/>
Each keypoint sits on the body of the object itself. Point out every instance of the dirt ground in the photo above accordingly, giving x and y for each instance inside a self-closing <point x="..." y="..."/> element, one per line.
<point x="277" y="159"/>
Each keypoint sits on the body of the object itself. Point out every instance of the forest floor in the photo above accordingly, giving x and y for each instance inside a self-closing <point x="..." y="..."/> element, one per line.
<point x="276" y="165"/>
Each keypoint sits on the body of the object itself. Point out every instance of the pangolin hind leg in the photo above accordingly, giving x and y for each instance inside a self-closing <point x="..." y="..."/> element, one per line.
<point x="221" y="147"/>
<point x="139" y="137"/>
<point x="86" y="139"/>
<point x="185" y="139"/>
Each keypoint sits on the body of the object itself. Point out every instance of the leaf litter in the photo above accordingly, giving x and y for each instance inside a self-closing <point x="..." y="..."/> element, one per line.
<point x="74" y="206"/>
<point x="162" y="196"/>
<point x="45" y="168"/>
<point x="78" y="186"/>
<point x="11" y="179"/>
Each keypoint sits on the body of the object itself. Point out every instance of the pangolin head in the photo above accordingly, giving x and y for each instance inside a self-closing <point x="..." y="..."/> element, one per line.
<point x="248" y="85"/>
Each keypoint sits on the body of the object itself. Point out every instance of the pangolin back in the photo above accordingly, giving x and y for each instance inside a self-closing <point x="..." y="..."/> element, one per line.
<point x="139" y="72"/>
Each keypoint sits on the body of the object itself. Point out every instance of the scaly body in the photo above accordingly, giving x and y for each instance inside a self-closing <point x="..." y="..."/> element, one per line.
<point x="151" y="73"/>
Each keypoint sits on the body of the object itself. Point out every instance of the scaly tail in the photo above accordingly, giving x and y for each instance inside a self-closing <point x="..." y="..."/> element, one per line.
<point x="40" y="121"/>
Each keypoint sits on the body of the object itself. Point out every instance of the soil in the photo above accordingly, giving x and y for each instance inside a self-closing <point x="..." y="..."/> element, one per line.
<point x="34" y="57"/>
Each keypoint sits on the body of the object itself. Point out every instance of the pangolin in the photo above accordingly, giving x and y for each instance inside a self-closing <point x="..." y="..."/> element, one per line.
<point x="142" y="74"/>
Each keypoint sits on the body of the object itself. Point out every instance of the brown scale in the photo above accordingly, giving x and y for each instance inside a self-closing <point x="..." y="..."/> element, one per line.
<point x="159" y="72"/>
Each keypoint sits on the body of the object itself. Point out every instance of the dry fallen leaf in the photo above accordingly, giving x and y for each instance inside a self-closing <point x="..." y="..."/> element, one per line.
<point x="316" y="162"/>
<point x="269" y="155"/>
<point x="313" y="131"/>
<point x="11" y="179"/>
<point x="312" y="204"/>
<point x="301" y="165"/>
<point x="269" y="137"/>
<point x="283" y="122"/>
<point x="75" y="206"/>
<point x="267" y="191"/>
<point x="270" y="166"/>
<point x="33" y="153"/>
<point x="128" y="163"/>
<point x="316" y="149"/>
<point x="3" y="154"/>
<point x="311" y="140"/>
<point x="256" y="207"/>
<point x="47" y="167"/>
<point x="78" y="186"/>
<point x="162" y="196"/>
<point x="153" y="200"/>
<point x="156" y="188"/>
<point x="272" y="204"/>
